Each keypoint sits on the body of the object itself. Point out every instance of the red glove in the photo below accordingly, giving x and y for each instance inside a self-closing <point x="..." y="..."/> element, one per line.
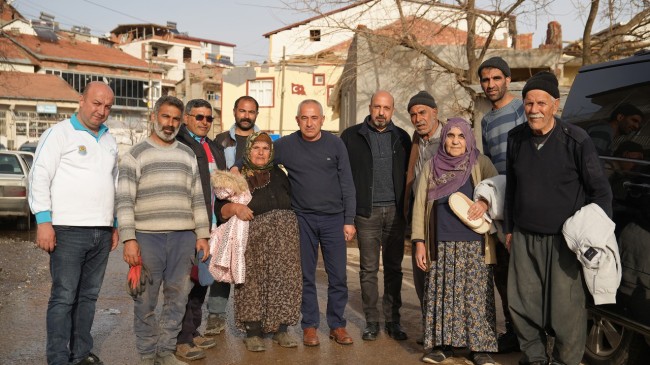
<point x="137" y="278"/>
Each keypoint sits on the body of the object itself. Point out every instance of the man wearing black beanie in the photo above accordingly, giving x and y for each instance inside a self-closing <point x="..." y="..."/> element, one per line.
<point x="423" y="110"/>
<point x="507" y="112"/>
<point x="552" y="171"/>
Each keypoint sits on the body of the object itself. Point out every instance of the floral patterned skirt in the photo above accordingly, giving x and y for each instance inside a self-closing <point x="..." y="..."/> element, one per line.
<point x="272" y="292"/>
<point x="459" y="299"/>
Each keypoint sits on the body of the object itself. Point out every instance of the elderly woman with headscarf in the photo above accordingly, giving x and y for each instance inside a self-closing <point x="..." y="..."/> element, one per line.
<point x="269" y="299"/>
<point x="459" y="294"/>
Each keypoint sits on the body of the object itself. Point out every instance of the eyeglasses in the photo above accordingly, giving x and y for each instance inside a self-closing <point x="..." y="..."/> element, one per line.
<point x="199" y="117"/>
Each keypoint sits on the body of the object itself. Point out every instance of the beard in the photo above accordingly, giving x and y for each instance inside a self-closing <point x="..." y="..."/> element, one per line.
<point x="380" y="122"/>
<point x="245" y="127"/>
<point x="160" y="132"/>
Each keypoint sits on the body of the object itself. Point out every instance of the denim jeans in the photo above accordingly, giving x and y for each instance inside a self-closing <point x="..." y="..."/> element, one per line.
<point x="326" y="230"/>
<point x="77" y="267"/>
<point x="168" y="256"/>
<point x="382" y="232"/>
<point x="218" y="297"/>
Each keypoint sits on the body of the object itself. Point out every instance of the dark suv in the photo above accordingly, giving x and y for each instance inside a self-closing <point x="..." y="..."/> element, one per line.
<point x="611" y="101"/>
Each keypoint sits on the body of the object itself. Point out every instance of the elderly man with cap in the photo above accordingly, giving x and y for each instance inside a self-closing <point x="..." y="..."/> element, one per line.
<point x="552" y="171"/>
<point x="425" y="141"/>
<point x="379" y="153"/>
<point x="507" y="112"/>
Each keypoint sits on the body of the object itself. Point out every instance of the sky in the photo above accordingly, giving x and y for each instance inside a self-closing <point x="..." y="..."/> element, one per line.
<point x="241" y="22"/>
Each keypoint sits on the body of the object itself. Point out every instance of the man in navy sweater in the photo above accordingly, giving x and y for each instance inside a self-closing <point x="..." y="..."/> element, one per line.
<point x="552" y="170"/>
<point x="323" y="197"/>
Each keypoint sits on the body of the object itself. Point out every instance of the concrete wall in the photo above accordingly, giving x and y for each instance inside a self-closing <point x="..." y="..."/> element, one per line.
<point x="403" y="73"/>
<point x="339" y="27"/>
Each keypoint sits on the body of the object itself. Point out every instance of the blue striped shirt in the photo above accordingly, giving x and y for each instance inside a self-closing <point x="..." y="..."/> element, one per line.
<point x="495" y="126"/>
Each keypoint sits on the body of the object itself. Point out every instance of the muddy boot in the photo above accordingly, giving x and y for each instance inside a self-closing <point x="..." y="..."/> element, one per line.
<point x="283" y="338"/>
<point x="253" y="340"/>
<point x="216" y="324"/>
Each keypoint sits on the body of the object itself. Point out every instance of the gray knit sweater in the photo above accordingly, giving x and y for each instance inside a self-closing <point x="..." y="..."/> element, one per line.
<point x="159" y="190"/>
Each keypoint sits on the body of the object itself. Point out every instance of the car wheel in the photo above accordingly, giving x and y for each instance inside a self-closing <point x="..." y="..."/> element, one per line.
<point x="609" y="343"/>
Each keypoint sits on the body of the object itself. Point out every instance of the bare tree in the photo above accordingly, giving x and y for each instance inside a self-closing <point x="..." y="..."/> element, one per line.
<point x="618" y="39"/>
<point x="477" y="24"/>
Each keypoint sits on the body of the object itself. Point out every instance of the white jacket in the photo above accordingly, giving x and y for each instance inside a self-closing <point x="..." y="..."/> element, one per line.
<point x="589" y="228"/>
<point x="493" y="190"/>
<point x="73" y="178"/>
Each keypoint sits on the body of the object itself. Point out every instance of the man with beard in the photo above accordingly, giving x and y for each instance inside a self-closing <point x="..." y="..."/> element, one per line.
<point x="379" y="153"/>
<point x="197" y="122"/>
<point x="162" y="220"/>
<point x="232" y="145"/>
<point x="424" y="115"/>
<point x="507" y="112"/>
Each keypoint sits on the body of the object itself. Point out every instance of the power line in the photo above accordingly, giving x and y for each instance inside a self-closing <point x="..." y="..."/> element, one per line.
<point x="117" y="11"/>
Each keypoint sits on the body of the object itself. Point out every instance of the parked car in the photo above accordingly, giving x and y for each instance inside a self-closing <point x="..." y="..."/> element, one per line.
<point x="28" y="157"/>
<point x="619" y="334"/>
<point x="29" y="147"/>
<point x="14" y="185"/>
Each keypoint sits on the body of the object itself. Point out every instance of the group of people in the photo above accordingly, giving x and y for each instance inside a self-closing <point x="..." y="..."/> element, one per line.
<point x="371" y="182"/>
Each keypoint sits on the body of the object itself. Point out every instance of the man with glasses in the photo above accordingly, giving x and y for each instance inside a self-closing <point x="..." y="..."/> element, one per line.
<point x="231" y="144"/>
<point x="197" y="122"/>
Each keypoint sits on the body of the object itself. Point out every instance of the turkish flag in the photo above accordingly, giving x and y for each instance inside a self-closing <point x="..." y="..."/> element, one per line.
<point x="297" y="89"/>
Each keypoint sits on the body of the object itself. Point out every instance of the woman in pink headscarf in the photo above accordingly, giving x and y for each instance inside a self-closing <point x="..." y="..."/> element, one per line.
<point x="459" y="294"/>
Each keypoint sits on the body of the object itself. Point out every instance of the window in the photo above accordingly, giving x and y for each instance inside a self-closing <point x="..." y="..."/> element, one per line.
<point x="262" y="91"/>
<point x="319" y="79"/>
<point x="211" y="95"/>
<point x="187" y="55"/>
<point x="21" y="129"/>
<point x="330" y="90"/>
<point x="314" y="35"/>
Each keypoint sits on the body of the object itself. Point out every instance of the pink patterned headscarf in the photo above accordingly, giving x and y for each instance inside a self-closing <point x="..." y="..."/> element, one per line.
<point x="449" y="173"/>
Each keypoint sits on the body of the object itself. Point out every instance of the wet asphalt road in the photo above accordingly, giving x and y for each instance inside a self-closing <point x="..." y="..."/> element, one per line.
<point x="23" y="306"/>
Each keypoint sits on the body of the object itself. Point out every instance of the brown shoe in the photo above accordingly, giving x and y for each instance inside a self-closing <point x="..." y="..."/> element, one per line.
<point x="310" y="336"/>
<point x="340" y="335"/>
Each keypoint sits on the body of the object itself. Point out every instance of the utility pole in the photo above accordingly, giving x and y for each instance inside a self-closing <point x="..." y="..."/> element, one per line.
<point x="149" y="55"/>
<point x="282" y="64"/>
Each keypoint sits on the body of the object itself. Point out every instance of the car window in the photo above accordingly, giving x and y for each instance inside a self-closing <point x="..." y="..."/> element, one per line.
<point x="29" y="159"/>
<point x="597" y="94"/>
<point x="9" y="164"/>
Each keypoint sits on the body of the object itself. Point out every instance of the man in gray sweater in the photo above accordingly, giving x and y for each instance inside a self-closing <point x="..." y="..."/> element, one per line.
<point x="162" y="220"/>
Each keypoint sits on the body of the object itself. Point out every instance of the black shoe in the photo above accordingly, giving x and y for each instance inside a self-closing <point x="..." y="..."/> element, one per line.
<point x="507" y="342"/>
<point x="437" y="355"/>
<point x="481" y="358"/>
<point x="394" y="331"/>
<point x="91" y="359"/>
<point x="371" y="331"/>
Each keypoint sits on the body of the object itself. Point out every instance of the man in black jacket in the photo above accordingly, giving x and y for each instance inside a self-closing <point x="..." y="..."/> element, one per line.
<point x="379" y="154"/>
<point x="197" y="121"/>
<point x="552" y="171"/>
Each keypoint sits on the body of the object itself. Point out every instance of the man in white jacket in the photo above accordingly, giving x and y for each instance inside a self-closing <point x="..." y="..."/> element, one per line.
<point x="72" y="191"/>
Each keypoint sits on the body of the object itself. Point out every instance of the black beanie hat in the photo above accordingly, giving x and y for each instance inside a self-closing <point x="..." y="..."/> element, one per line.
<point x="542" y="81"/>
<point x="422" y="98"/>
<point x="495" y="62"/>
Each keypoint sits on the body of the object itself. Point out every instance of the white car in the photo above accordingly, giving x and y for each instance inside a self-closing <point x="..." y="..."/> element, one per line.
<point x="14" y="185"/>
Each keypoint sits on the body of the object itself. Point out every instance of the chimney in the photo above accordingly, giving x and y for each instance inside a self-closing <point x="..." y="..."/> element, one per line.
<point x="553" y="36"/>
